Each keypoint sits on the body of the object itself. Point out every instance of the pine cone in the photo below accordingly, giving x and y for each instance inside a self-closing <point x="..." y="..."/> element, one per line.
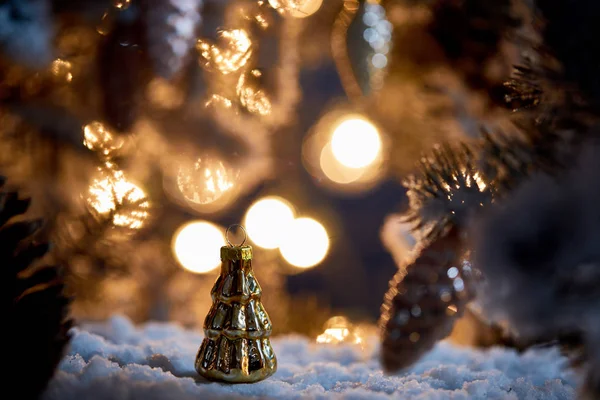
<point x="171" y="27"/>
<point x="32" y="299"/>
<point x="423" y="302"/>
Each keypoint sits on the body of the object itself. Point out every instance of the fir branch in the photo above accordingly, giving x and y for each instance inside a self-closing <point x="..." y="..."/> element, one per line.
<point x="523" y="91"/>
<point x="443" y="193"/>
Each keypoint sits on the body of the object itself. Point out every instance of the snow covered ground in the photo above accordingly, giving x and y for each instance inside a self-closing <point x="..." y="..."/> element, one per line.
<point x="117" y="360"/>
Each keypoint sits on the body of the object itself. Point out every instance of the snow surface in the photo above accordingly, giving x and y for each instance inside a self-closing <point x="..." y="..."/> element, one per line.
<point x="117" y="360"/>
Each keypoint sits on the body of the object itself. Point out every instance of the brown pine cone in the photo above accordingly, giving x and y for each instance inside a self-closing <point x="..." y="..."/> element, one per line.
<point x="424" y="301"/>
<point x="33" y="305"/>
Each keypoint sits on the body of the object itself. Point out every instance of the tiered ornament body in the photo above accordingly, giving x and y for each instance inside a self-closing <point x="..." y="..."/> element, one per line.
<point x="236" y="347"/>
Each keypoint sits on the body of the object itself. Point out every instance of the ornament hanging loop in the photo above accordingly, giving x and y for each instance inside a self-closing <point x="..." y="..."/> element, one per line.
<point x="229" y="230"/>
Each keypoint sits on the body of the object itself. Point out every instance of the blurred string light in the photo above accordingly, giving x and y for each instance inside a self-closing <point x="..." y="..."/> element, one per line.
<point x="379" y="36"/>
<point x="267" y="220"/>
<point x="339" y="329"/>
<point x="232" y="52"/>
<point x="229" y="57"/>
<point x="355" y="142"/>
<point x="112" y="196"/>
<point x="62" y="70"/>
<point x="218" y="100"/>
<point x="121" y="4"/>
<point x="271" y="224"/>
<point x="346" y="148"/>
<point x="296" y="8"/>
<point x="304" y="243"/>
<point x="235" y="84"/>
<point x="204" y="181"/>
<point x="98" y="138"/>
<point x="106" y="22"/>
<point x="196" y="246"/>
<point x="251" y="96"/>
<point x="335" y="171"/>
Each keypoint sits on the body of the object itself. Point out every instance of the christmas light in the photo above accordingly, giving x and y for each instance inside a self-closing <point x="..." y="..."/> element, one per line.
<point x="196" y="246"/>
<point x="254" y="99"/>
<point x="204" y="181"/>
<point x="268" y="220"/>
<point x="232" y="53"/>
<point x="339" y="329"/>
<point x="121" y="4"/>
<point x="113" y="196"/>
<point x="335" y="171"/>
<point x="356" y="142"/>
<point x="304" y="243"/>
<point x="97" y="137"/>
<point x="296" y="8"/>
<point x="61" y="69"/>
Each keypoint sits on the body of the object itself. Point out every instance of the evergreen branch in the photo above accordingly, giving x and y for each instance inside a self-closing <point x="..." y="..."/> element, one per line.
<point x="444" y="191"/>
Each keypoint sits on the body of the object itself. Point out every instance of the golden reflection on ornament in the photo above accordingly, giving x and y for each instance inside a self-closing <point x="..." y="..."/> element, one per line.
<point x="97" y="137"/>
<point x="338" y="330"/>
<point x="254" y="99"/>
<point x="204" y="181"/>
<point x="231" y="54"/>
<point x="304" y="243"/>
<point x="61" y="70"/>
<point x="196" y="246"/>
<point x="356" y="142"/>
<point x="296" y="8"/>
<point x="335" y="171"/>
<point x="267" y="220"/>
<point x="112" y="196"/>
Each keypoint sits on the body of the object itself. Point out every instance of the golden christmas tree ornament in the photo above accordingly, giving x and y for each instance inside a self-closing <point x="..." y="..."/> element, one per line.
<point x="236" y="347"/>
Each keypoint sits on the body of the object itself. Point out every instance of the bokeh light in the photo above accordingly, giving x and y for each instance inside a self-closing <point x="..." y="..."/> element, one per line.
<point x="339" y="329"/>
<point x="304" y="243"/>
<point x="231" y="53"/>
<point x="356" y="142"/>
<point x="97" y="137"/>
<point x="335" y="171"/>
<point x="267" y="220"/>
<point x="112" y="195"/>
<point x="205" y="180"/>
<point x="61" y="69"/>
<point x="196" y="246"/>
<point x="296" y="8"/>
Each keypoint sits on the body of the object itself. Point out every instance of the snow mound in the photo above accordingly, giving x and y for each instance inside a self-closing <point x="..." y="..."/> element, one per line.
<point x="116" y="360"/>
